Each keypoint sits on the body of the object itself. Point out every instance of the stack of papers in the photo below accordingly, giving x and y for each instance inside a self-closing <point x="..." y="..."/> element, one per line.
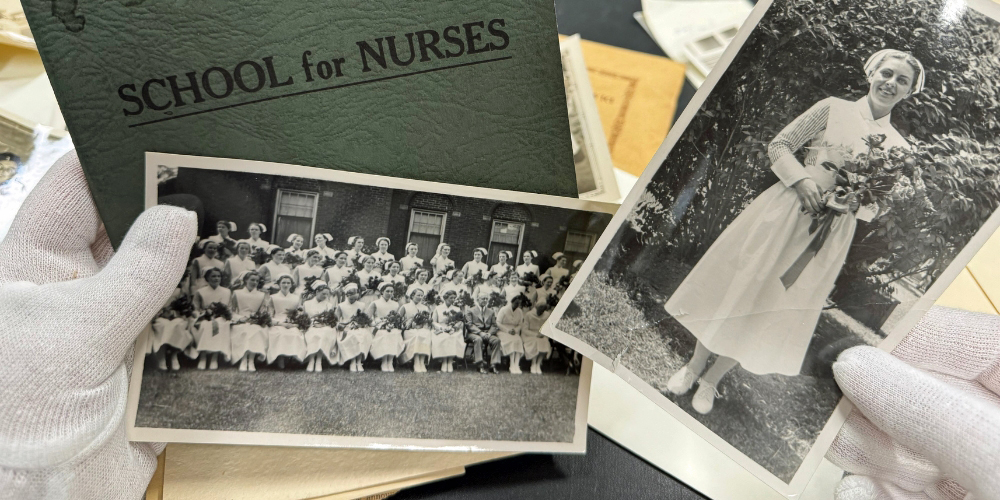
<point x="694" y="32"/>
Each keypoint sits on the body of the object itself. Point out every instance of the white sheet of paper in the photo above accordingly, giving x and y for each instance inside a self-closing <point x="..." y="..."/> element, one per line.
<point x="673" y="22"/>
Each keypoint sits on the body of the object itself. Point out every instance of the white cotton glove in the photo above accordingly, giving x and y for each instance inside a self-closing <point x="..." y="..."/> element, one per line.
<point x="927" y="417"/>
<point x="69" y="315"/>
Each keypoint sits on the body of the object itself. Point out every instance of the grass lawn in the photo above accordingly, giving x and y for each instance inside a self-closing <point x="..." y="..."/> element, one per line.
<point x="402" y="404"/>
<point x="773" y="419"/>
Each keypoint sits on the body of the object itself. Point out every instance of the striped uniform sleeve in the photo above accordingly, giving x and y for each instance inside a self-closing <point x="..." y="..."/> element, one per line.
<point x="781" y="150"/>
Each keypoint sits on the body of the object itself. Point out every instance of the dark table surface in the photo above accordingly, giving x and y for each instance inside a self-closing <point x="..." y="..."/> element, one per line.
<point x="607" y="470"/>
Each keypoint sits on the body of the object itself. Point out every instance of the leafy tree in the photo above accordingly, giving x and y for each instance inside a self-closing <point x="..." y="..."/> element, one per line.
<point x="804" y="51"/>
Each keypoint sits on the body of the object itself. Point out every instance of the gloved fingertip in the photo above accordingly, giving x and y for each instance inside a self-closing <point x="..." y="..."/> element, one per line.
<point x="172" y="213"/>
<point x="854" y="359"/>
<point x="858" y="488"/>
<point x="166" y="225"/>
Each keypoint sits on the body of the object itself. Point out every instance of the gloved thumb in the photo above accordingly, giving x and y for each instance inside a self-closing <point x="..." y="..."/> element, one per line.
<point x="949" y="426"/>
<point x="141" y="276"/>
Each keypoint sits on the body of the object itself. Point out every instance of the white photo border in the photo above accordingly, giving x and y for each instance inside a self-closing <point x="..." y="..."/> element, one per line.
<point x="797" y="485"/>
<point x="151" y="434"/>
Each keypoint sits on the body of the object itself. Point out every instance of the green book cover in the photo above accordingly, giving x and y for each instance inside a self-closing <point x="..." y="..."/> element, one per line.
<point x="465" y="92"/>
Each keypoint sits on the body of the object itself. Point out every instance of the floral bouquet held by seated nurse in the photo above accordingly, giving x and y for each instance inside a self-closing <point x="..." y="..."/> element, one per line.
<point x="216" y="311"/>
<point x="260" y="318"/>
<point x="393" y="321"/>
<point x="359" y="320"/>
<point x="421" y="320"/>
<point x="299" y="318"/>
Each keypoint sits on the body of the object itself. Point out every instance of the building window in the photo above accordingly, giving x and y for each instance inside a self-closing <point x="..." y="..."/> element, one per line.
<point x="295" y="213"/>
<point x="427" y="231"/>
<point x="577" y="242"/>
<point x="505" y="236"/>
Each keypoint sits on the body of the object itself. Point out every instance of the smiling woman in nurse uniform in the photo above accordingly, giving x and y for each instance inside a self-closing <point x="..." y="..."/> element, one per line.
<point x="738" y="300"/>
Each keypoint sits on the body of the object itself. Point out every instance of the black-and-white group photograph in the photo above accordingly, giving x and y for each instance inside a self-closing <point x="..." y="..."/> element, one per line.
<point x="358" y="308"/>
<point x="843" y="155"/>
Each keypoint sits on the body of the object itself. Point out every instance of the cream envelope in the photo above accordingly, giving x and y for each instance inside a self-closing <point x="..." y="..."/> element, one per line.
<point x="204" y="472"/>
<point x="969" y="291"/>
<point x="985" y="271"/>
<point x="387" y="490"/>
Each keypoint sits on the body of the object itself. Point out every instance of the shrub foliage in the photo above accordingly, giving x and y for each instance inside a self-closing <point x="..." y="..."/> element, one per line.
<point x="802" y="52"/>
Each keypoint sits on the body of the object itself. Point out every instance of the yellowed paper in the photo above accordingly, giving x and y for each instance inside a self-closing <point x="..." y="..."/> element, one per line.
<point x="636" y="96"/>
<point x="387" y="490"/>
<point x="207" y="472"/>
<point x="985" y="271"/>
<point x="965" y="293"/>
<point x="154" y="491"/>
<point x="14" y="29"/>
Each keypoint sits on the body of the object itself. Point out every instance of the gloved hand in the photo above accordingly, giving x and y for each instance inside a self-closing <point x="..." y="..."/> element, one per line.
<point x="69" y="315"/>
<point x="927" y="416"/>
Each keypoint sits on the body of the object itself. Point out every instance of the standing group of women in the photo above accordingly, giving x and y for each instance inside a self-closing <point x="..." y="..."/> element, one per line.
<point x="246" y="301"/>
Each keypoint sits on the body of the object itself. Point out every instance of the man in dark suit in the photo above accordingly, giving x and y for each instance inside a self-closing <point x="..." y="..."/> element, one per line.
<point x="481" y="329"/>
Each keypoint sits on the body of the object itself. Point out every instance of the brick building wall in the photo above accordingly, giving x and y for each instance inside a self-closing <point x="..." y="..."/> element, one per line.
<point x="345" y="210"/>
<point x="236" y="196"/>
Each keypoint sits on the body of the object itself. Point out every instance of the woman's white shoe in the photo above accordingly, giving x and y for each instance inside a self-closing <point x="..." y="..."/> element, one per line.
<point x="682" y="381"/>
<point x="704" y="397"/>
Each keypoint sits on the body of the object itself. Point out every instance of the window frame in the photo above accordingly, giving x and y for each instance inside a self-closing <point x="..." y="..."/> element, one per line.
<point x="277" y="212"/>
<point x="591" y="236"/>
<point x="444" y="223"/>
<point x="520" y="238"/>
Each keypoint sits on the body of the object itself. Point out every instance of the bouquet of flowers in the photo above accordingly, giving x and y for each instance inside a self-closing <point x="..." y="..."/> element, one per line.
<point x="862" y="180"/>
<point x="260" y="318"/>
<point x="563" y="283"/>
<point x="400" y="289"/>
<point x="521" y="300"/>
<point x="454" y="318"/>
<point x="531" y="279"/>
<point x="180" y="307"/>
<point x="867" y="179"/>
<point x="447" y="269"/>
<point x="259" y="256"/>
<point x="411" y="275"/>
<point x="465" y="299"/>
<point x="328" y="262"/>
<point x="432" y="298"/>
<point x="298" y="317"/>
<point x="351" y="277"/>
<point x="422" y="319"/>
<point x="497" y="300"/>
<point x="307" y="291"/>
<point x="325" y="319"/>
<point x="216" y="310"/>
<point x="373" y="282"/>
<point x="357" y="263"/>
<point x="292" y="260"/>
<point x="477" y="278"/>
<point x="552" y="300"/>
<point x="393" y="321"/>
<point x="360" y="320"/>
